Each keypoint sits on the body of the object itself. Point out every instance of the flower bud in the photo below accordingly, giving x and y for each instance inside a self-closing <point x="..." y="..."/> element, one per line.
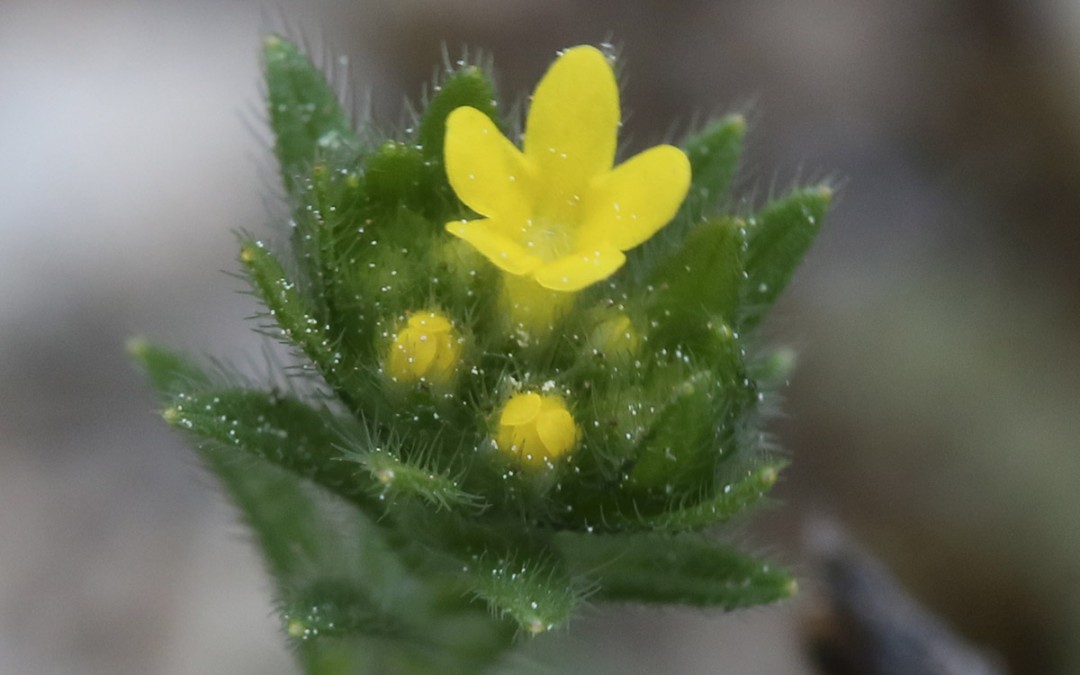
<point x="427" y="349"/>
<point x="536" y="429"/>
<point x="615" y="338"/>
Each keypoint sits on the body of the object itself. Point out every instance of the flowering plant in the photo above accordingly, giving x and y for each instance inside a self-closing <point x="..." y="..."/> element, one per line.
<point x="527" y="381"/>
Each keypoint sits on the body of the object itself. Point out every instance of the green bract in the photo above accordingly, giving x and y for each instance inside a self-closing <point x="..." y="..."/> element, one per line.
<point x="404" y="527"/>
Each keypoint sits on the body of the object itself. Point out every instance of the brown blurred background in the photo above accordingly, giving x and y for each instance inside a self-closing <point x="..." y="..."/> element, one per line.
<point x="936" y="409"/>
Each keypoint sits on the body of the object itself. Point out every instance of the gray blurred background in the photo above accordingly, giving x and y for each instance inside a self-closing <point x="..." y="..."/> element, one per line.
<point x="935" y="412"/>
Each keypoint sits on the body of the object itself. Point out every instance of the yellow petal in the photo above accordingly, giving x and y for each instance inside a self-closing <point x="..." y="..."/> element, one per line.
<point x="398" y="364"/>
<point x="426" y="348"/>
<point x="528" y="446"/>
<point x="446" y="355"/>
<point x="520" y="409"/>
<point x="556" y="431"/>
<point x="501" y="250"/>
<point x="422" y="347"/>
<point x="580" y="269"/>
<point x="628" y="205"/>
<point x="573" y="121"/>
<point x="486" y="171"/>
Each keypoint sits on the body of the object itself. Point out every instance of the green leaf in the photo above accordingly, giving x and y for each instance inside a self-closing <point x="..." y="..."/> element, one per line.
<point x="728" y="501"/>
<point x="395" y="176"/>
<point x="535" y="591"/>
<point x="169" y="372"/>
<point x="275" y="505"/>
<point x="458" y="643"/>
<point x="326" y="206"/>
<point x="337" y="579"/>
<point x="774" y="368"/>
<point x="700" y="281"/>
<point x="331" y="607"/>
<point x="281" y="430"/>
<point x="417" y="477"/>
<point x="466" y="86"/>
<point x="299" y="324"/>
<point x="714" y="158"/>
<point x="681" y="448"/>
<point x="311" y="545"/>
<point x="778" y="239"/>
<point x="347" y="600"/>
<point x="299" y="526"/>
<point x="305" y="114"/>
<point x="686" y="569"/>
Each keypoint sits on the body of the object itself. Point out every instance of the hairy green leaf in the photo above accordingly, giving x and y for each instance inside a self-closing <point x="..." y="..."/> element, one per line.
<point x="397" y="477"/>
<point x="305" y="114"/>
<point x="465" y="86"/>
<point x="170" y="373"/>
<point x="333" y="608"/>
<point x="282" y="430"/>
<point x="728" y="501"/>
<point x="714" y="157"/>
<point x="699" y="282"/>
<point x="535" y="591"/>
<point x="396" y="176"/>
<point x="298" y="323"/>
<point x="686" y="569"/>
<point x="778" y="239"/>
<point x="681" y="448"/>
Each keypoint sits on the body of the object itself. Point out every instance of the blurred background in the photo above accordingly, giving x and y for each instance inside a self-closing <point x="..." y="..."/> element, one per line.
<point x="936" y="407"/>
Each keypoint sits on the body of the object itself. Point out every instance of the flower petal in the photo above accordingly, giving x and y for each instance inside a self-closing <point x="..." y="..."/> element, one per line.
<point x="446" y="355"/>
<point x="487" y="172"/>
<point x="580" y="269"/>
<point x="557" y="431"/>
<point x="502" y="251"/>
<point x="573" y="121"/>
<point x="422" y="348"/>
<point x="628" y="205"/>
<point x="521" y="409"/>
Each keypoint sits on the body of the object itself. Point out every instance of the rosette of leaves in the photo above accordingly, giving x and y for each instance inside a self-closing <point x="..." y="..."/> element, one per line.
<point x="443" y="474"/>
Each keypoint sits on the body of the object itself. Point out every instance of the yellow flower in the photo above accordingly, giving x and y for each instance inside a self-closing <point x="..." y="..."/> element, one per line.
<point x="536" y="429"/>
<point x="426" y="349"/>
<point x="556" y="211"/>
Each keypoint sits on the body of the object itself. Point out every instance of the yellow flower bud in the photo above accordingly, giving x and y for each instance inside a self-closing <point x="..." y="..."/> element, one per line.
<point x="537" y="429"/>
<point x="427" y="349"/>
<point x="615" y="337"/>
<point x="533" y="310"/>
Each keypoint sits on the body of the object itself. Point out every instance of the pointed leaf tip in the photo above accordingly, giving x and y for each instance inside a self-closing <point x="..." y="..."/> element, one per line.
<point x="169" y="373"/>
<point x="468" y="86"/>
<point x="305" y="115"/>
<point x="689" y="570"/>
<point x="714" y="158"/>
<point x="778" y="239"/>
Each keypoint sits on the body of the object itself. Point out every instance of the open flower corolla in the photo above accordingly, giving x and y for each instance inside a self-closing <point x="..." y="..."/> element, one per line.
<point x="558" y="210"/>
